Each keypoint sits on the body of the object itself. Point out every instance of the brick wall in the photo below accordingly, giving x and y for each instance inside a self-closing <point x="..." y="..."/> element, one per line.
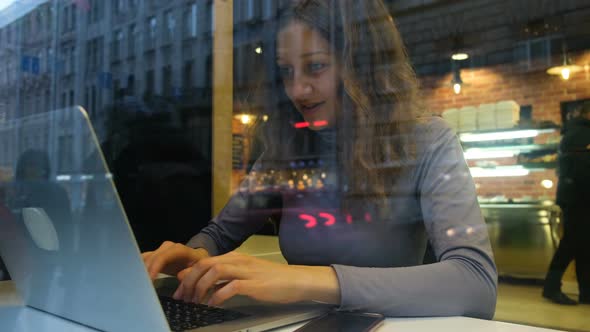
<point x="511" y="82"/>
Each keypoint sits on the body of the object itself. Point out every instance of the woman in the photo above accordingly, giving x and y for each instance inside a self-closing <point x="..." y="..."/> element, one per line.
<point x="404" y="182"/>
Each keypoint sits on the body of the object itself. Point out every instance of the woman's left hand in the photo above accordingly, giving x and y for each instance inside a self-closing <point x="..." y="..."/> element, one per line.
<point x="256" y="278"/>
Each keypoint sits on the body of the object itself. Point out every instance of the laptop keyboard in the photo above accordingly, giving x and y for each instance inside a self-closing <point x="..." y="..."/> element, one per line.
<point x="186" y="316"/>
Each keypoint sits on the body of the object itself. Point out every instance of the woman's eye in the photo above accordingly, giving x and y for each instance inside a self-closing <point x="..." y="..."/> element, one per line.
<point x="285" y="72"/>
<point x="316" y="67"/>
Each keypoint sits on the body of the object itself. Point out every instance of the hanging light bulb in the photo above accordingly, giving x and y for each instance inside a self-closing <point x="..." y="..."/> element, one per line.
<point x="245" y="118"/>
<point x="565" y="73"/>
<point x="566" y="69"/>
<point x="457" y="82"/>
<point x="547" y="184"/>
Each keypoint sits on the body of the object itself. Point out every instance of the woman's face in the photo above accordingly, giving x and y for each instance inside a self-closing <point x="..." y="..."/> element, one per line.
<point x="309" y="74"/>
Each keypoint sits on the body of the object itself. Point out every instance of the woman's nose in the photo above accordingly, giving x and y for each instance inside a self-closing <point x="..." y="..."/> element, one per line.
<point x="301" y="88"/>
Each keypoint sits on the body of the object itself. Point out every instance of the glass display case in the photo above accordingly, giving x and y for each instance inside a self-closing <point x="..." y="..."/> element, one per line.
<point x="522" y="225"/>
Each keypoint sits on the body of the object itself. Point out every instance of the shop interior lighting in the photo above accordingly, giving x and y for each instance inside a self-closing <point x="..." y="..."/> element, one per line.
<point x="515" y="149"/>
<point x="459" y="51"/>
<point x="506" y="171"/>
<point x="566" y="69"/>
<point x="460" y="56"/>
<point x="457" y="88"/>
<point x="457" y="82"/>
<point x="258" y="50"/>
<point x="245" y="118"/>
<point x="502" y="151"/>
<point x="475" y="153"/>
<point x="547" y="184"/>
<point x="500" y="135"/>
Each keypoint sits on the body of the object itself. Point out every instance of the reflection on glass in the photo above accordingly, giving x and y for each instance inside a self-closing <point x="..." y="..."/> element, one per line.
<point x="142" y="69"/>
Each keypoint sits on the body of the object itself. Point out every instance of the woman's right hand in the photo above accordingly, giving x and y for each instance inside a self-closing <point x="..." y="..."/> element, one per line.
<point x="171" y="258"/>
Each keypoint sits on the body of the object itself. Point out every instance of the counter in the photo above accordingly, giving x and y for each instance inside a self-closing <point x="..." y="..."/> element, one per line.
<point x="524" y="237"/>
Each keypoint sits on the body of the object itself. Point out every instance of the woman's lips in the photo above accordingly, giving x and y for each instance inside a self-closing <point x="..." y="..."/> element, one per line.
<point x="310" y="108"/>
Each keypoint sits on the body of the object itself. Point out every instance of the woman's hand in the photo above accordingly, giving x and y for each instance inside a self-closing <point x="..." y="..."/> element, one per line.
<point x="237" y="274"/>
<point x="171" y="258"/>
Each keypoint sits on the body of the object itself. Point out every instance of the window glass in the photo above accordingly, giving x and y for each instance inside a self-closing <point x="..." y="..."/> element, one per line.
<point x="398" y="125"/>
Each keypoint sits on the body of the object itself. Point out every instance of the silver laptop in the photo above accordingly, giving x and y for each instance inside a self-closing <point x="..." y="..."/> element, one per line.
<point x="69" y="248"/>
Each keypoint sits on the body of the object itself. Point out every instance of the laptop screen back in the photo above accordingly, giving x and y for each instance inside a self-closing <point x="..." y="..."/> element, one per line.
<point x="64" y="236"/>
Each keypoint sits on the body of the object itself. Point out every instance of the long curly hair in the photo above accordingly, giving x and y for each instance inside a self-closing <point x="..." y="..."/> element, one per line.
<point x="379" y="91"/>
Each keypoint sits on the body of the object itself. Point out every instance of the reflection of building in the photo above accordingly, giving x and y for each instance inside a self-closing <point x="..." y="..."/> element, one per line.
<point x="91" y="53"/>
<point x="49" y="132"/>
<point x="63" y="53"/>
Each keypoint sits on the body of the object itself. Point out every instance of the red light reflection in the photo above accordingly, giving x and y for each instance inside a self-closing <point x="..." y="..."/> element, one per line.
<point x="331" y="220"/>
<point x="321" y="123"/>
<point x="348" y="219"/>
<point x="300" y="125"/>
<point x="311" y="220"/>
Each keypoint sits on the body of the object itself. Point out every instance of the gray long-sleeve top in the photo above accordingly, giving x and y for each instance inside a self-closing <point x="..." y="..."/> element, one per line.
<point x="378" y="258"/>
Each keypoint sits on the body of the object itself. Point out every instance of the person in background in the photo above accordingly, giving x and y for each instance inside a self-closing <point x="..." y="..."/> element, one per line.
<point x="573" y="190"/>
<point x="32" y="187"/>
<point x="342" y="68"/>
